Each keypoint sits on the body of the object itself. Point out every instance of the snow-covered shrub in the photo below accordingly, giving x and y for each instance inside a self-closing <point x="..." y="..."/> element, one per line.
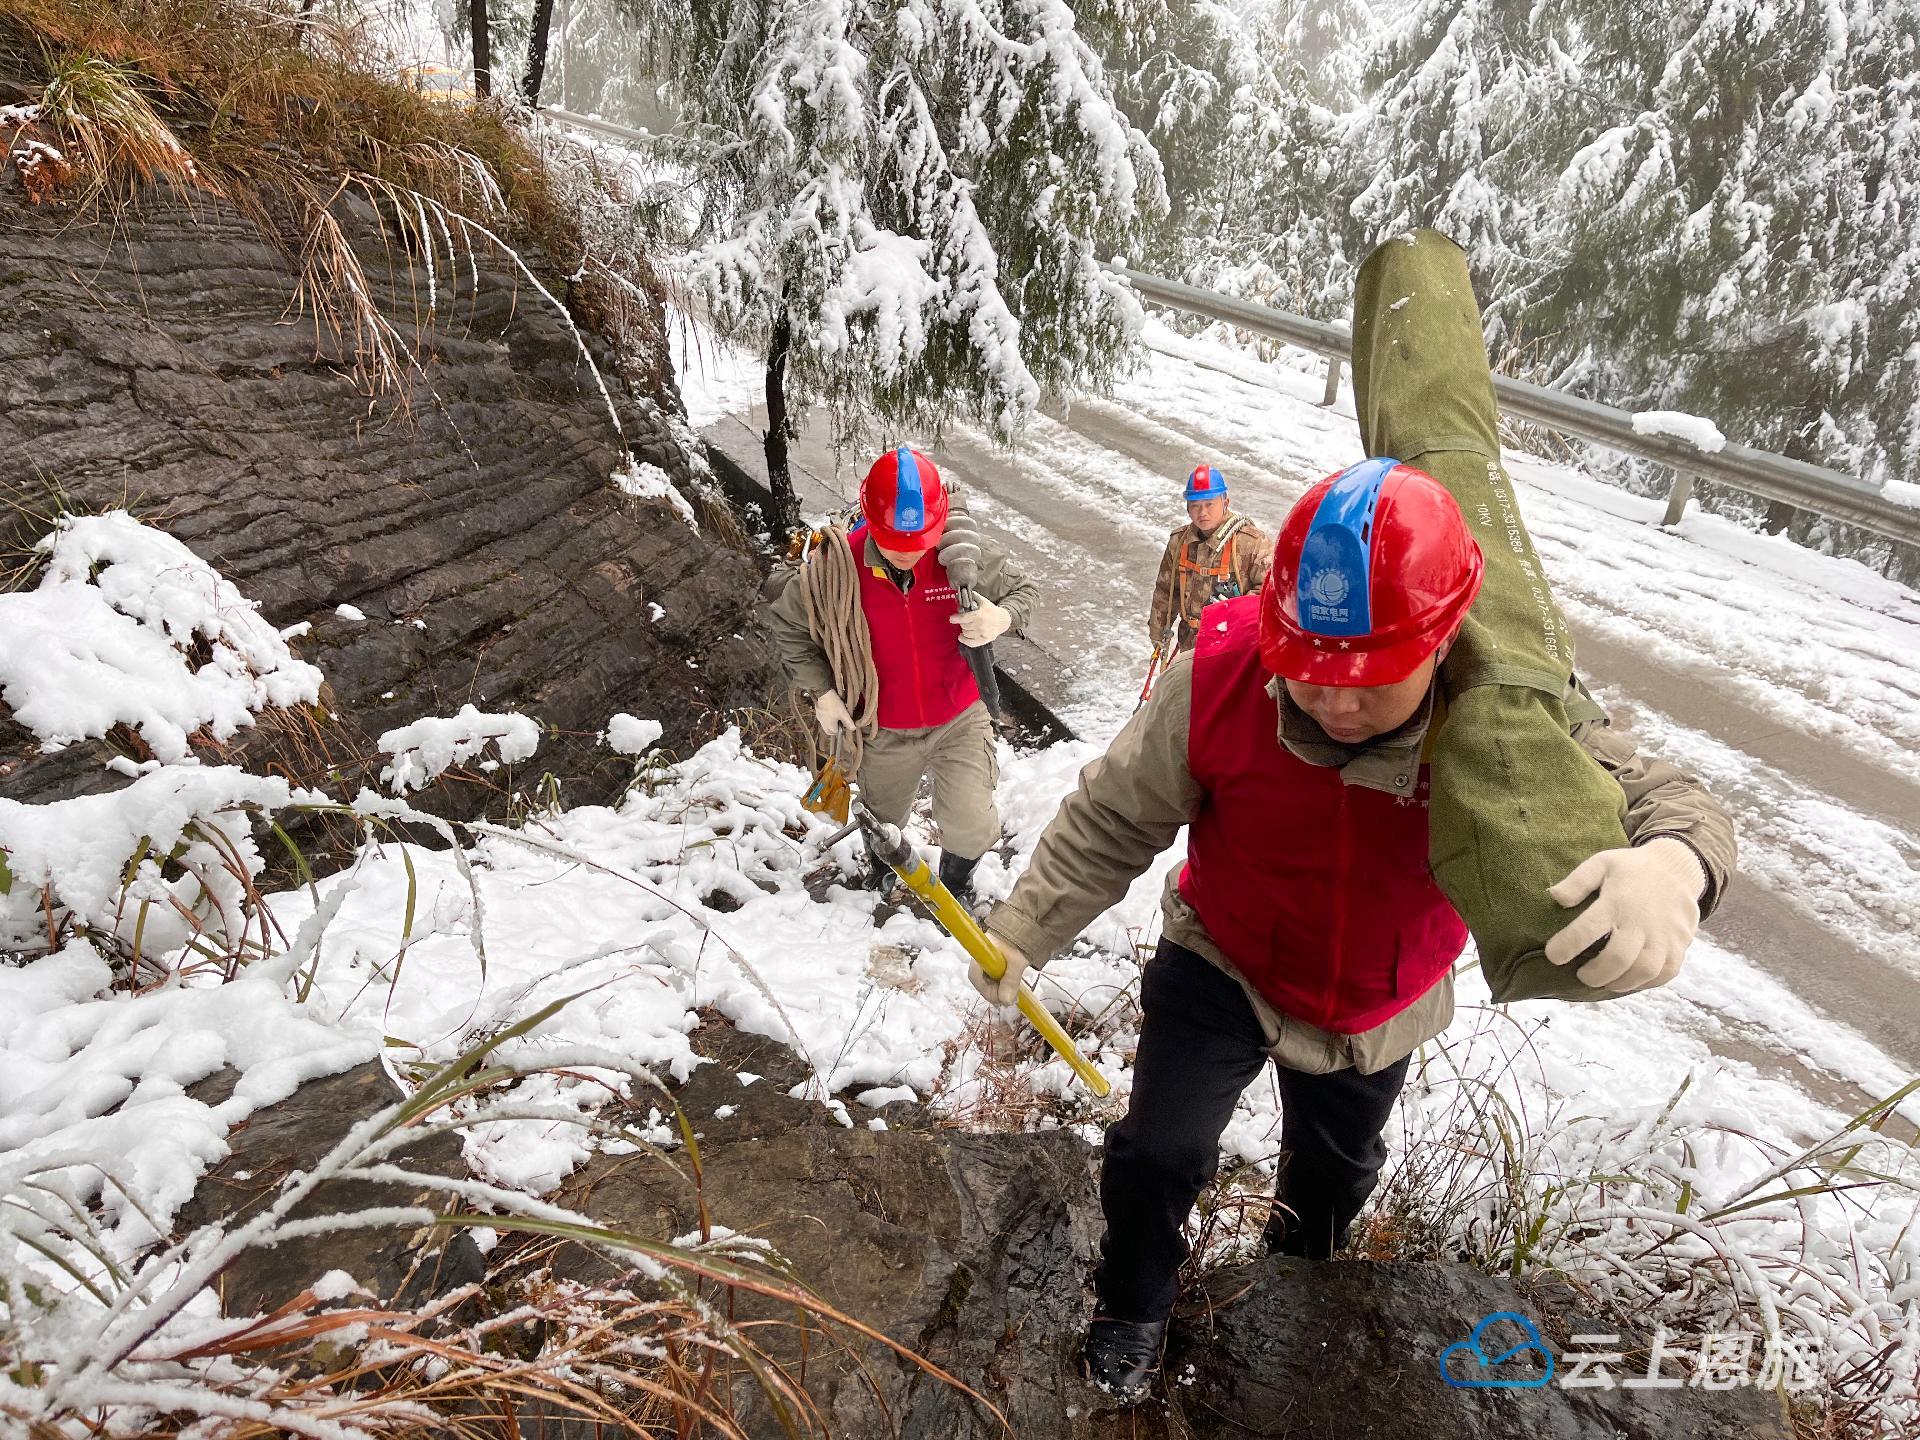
<point x="165" y="863"/>
<point x="426" y="749"/>
<point x="1676" y="1214"/>
<point x="125" y="626"/>
<point x="128" y="626"/>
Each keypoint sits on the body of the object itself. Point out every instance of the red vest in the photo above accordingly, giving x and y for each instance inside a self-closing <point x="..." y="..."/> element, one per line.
<point x="924" y="679"/>
<point x="1316" y="890"/>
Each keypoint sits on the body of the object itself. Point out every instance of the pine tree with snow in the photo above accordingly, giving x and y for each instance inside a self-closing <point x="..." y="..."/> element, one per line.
<point x="1250" y="110"/>
<point x="1328" y="41"/>
<point x="906" y="203"/>
<point x="1183" y="72"/>
<point x="1469" y="114"/>
<point x="1741" y="239"/>
<point x="1288" y="233"/>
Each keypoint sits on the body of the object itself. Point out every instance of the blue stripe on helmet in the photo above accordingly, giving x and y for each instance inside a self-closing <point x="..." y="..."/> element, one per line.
<point x="909" y="500"/>
<point x="1334" y="586"/>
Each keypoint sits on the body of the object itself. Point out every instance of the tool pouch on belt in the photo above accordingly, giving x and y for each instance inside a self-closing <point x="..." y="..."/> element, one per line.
<point x="1516" y="803"/>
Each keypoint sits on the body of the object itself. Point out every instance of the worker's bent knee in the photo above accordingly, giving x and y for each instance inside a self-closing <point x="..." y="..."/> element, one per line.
<point x="970" y="833"/>
<point x="1159" y="1158"/>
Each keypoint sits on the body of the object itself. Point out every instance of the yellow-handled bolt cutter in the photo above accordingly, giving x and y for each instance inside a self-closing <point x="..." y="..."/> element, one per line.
<point x="891" y="847"/>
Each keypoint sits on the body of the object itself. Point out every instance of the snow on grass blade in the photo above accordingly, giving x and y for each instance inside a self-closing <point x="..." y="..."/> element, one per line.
<point x="426" y="749"/>
<point x="1659" y="1213"/>
<point x="95" y="1363"/>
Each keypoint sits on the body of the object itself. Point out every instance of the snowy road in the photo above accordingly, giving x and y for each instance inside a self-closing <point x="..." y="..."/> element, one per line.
<point x="1790" y="681"/>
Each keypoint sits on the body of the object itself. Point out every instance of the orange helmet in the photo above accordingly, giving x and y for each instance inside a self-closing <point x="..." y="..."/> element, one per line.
<point x="1373" y="572"/>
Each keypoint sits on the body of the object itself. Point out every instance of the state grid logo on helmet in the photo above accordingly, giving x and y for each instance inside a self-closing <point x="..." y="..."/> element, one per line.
<point x="903" y="500"/>
<point x="1336" y="563"/>
<point x="1373" y="570"/>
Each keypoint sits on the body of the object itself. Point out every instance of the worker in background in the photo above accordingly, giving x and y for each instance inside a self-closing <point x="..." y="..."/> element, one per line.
<point x="1216" y="555"/>
<point x="920" y="711"/>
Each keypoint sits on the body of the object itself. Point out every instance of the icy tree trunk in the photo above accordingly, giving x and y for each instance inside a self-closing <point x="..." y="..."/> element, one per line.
<point x="786" y="504"/>
<point x="537" y="51"/>
<point x="482" y="48"/>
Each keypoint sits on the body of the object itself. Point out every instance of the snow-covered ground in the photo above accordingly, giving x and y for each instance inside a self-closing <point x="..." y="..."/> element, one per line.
<point x="694" y="894"/>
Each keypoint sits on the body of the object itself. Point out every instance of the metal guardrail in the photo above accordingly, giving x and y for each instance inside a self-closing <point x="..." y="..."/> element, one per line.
<point x="597" y="127"/>
<point x="1832" y="493"/>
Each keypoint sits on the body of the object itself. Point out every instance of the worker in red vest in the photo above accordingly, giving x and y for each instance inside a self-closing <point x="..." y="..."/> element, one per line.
<point x="1305" y="926"/>
<point x="931" y="719"/>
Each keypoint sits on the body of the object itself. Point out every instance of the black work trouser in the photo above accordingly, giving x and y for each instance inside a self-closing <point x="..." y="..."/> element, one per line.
<point x="1201" y="1045"/>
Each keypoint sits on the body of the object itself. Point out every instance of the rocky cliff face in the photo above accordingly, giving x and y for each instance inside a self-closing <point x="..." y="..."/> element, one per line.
<point x="159" y="358"/>
<point x="974" y="1252"/>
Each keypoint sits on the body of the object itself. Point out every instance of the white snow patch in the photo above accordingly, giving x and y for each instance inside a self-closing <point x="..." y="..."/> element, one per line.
<point x="629" y="736"/>
<point x="129" y="626"/>
<point x="336" y="1285"/>
<point x="650" y="482"/>
<point x="1695" y="430"/>
<point x="93" y="1084"/>
<point x="427" y="748"/>
<point x="716" y="378"/>
<point x="78" y="852"/>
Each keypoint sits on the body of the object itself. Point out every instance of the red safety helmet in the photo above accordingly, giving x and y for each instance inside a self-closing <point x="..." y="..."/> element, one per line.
<point x="1373" y="572"/>
<point x="904" y="503"/>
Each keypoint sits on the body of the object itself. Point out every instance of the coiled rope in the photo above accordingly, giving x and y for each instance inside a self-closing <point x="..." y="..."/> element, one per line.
<point x="831" y="580"/>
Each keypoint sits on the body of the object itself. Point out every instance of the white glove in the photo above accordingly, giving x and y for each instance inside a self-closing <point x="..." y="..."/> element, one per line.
<point x="832" y="713"/>
<point x="1005" y="990"/>
<point x="1649" y="902"/>
<point x="984" y="625"/>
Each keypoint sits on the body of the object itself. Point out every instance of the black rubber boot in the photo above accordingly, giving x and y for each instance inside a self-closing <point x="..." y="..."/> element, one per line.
<point x="956" y="874"/>
<point x="1121" y="1357"/>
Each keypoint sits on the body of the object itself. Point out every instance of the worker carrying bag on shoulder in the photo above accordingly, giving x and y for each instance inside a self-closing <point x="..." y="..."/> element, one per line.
<point x="1516" y="803"/>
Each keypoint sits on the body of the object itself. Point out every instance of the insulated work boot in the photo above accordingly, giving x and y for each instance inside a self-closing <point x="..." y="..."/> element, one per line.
<point x="956" y="873"/>
<point x="1121" y="1357"/>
